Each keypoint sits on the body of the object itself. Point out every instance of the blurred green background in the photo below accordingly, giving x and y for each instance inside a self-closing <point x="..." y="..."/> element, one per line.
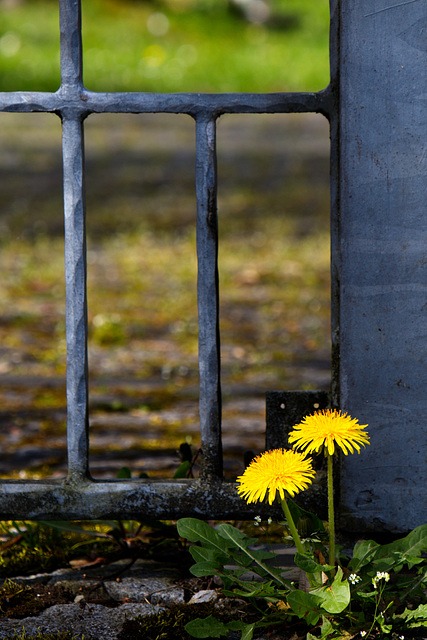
<point x="273" y="204"/>
<point x="171" y="45"/>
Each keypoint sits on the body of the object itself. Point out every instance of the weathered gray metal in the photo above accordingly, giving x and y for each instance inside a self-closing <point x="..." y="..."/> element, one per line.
<point x="79" y="100"/>
<point x="79" y="496"/>
<point x="76" y="299"/>
<point x="208" y="298"/>
<point x="380" y="260"/>
<point x="138" y="499"/>
<point x="285" y="409"/>
<point x="378" y="263"/>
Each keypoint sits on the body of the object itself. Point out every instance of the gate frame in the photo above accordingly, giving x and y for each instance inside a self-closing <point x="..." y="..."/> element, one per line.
<point x="360" y="69"/>
<point x="79" y="496"/>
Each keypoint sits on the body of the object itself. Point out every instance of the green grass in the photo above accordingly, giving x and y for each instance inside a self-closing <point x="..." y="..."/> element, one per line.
<point x="56" y="635"/>
<point x="137" y="301"/>
<point x="273" y="218"/>
<point x="179" y="45"/>
<point x="273" y="262"/>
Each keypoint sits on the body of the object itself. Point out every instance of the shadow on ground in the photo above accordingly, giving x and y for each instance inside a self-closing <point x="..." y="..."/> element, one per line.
<point x="274" y="273"/>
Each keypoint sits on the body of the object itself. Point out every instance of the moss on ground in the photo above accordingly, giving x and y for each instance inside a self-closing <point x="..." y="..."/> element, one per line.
<point x="47" y="551"/>
<point x="20" y="601"/>
<point x="58" y="635"/>
<point x="170" y="624"/>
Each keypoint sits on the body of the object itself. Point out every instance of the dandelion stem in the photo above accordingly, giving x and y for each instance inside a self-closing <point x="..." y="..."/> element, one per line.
<point x="292" y="527"/>
<point x="331" y="514"/>
<point x="295" y="535"/>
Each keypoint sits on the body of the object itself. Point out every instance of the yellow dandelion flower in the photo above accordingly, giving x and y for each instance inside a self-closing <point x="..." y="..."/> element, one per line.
<point x="279" y="470"/>
<point x="328" y="428"/>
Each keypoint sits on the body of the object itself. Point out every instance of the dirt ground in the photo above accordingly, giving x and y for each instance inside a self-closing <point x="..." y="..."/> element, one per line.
<point x="273" y="176"/>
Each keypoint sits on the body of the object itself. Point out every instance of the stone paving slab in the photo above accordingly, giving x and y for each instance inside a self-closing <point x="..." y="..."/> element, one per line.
<point x="94" y="621"/>
<point x="145" y="588"/>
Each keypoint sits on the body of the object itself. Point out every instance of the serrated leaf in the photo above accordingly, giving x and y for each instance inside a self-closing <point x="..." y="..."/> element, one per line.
<point x="368" y="596"/>
<point x="363" y="552"/>
<point x="335" y="598"/>
<point x="246" y="560"/>
<point x="69" y="528"/>
<point x="199" y="531"/>
<point x="246" y="629"/>
<point x="208" y="627"/>
<point x="262" y="553"/>
<point x="414" y="617"/>
<point x="255" y="590"/>
<point x="412" y="545"/>
<point x="309" y="565"/>
<point x="305" y="605"/>
<point x="239" y="540"/>
<point x="235" y="573"/>
<point x="201" y="569"/>
<point x="203" y="554"/>
<point x="385" y="564"/>
<point x="237" y="535"/>
<point x="411" y="561"/>
<point x="327" y="631"/>
<point x="306" y="522"/>
<point x="182" y="470"/>
<point x="124" y="473"/>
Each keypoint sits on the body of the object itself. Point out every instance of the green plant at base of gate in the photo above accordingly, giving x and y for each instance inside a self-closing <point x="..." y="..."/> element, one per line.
<point x="378" y="592"/>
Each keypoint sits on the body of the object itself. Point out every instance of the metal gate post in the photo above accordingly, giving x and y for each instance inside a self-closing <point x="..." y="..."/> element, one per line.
<point x="381" y="261"/>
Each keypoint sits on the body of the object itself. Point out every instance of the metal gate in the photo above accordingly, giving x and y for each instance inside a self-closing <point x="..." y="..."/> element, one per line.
<point x="356" y="133"/>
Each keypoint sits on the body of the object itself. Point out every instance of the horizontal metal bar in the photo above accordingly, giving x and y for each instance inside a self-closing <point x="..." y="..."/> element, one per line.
<point x="137" y="499"/>
<point x="78" y="100"/>
<point x="212" y="104"/>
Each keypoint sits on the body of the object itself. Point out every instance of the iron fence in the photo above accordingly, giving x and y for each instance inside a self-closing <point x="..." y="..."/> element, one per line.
<point x="79" y="496"/>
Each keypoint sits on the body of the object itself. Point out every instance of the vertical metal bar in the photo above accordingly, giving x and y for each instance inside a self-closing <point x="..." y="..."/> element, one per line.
<point x="76" y="299"/>
<point x="284" y="409"/>
<point x="71" y="43"/>
<point x="208" y="297"/>
<point x="383" y="284"/>
<point x="75" y="245"/>
<point x="334" y="116"/>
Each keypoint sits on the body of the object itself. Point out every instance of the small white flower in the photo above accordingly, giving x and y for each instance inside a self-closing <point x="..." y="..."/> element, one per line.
<point x="257" y="520"/>
<point x="354" y="578"/>
<point x="363" y="634"/>
<point x="269" y="521"/>
<point x="381" y="575"/>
